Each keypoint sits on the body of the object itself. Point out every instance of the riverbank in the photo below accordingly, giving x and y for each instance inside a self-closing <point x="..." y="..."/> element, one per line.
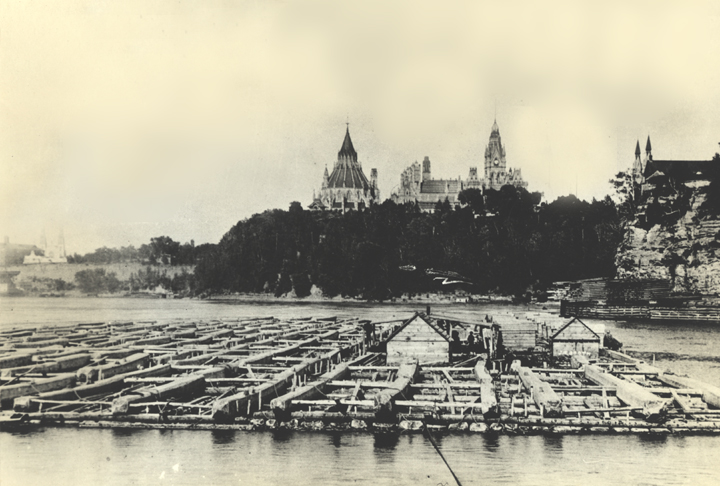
<point x="420" y="299"/>
<point x="59" y="280"/>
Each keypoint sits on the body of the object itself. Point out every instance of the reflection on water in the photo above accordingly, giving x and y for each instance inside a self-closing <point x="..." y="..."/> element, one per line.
<point x="553" y="443"/>
<point x="282" y="435"/>
<point x="336" y="439"/>
<point x="223" y="437"/>
<point x="66" y="456"/>
<point x="492" y="441"/>
<point x="387" y="441"/>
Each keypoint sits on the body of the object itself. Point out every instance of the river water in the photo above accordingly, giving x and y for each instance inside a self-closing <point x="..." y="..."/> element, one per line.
<point x="61" y="456"/>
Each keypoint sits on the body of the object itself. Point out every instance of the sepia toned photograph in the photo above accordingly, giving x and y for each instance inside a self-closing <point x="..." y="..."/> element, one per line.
<point x="374" y="243"/>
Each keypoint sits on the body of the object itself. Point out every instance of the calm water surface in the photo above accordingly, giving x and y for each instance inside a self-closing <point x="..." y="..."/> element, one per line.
<point x="120" y="457"/>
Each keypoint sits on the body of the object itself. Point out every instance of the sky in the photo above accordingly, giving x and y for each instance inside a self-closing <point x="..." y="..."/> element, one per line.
<point x="120" y="121"/>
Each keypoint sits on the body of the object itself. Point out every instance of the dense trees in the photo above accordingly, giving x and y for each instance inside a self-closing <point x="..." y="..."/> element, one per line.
<point x="97" y="281"/>
<point x="501" y="241"/>
<point x="161" y="250"/>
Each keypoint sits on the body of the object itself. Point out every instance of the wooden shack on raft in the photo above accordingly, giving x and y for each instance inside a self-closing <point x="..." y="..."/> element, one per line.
<point x="575" y="338"/>
<point x="420" y="338"/>
<point x="519" y="336"/>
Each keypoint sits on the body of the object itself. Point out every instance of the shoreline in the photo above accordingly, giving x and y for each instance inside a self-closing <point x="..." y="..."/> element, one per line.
<point x="425" y="298"/>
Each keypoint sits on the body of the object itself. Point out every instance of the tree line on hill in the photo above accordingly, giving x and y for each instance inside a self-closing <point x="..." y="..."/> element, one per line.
<point x="100" y="281"/>
<point x="161" y="250"/>
<point x="501" y="241"/>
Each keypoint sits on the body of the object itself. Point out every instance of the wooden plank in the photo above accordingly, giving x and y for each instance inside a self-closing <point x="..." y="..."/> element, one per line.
<point x="488" y="399"/>
<point x="432" y="405"/>
<point x="360" y="384"/>
<point x="180" y="386"/>
<point x="63" y="363"/>
<point x="225" y="409"/>
<point x="405" y="375"/>
<point x="309" y="391"/>
<point x="456" y="385"/>
<point x="606" y="403"/>
<point x="125" y="365"/>
<point x="683" y="403"/>
<point x="710" y="393"/>
<point x="109" y="385"/>
<point x="450" y="398"/>
<point x="16" y="360"/>
<point x="10" y="392"/>
<point x="547" y="401"/>
<point x="653" y="407"/>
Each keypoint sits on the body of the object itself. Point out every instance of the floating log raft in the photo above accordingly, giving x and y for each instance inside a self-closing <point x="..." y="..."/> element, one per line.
<point x="316" y="374"/>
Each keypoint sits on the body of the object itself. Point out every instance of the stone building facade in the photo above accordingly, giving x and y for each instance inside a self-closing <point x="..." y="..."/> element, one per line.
<point x="417" y="184"/>
<point x="346" y="187"/>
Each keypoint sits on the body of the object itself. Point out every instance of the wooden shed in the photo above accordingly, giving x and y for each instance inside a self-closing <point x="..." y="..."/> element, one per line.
<point x="418" y="338"/>
<point x="518" y="335"/>
<point x="575" y="338"/>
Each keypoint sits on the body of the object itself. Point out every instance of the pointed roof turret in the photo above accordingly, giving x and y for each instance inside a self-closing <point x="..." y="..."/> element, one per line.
<point x="637" y="149"/>
<point x="347" y="172"/>
<point x="648" y="147"/>
<point x="495" y="129"/>
<point x="347" y="149"/>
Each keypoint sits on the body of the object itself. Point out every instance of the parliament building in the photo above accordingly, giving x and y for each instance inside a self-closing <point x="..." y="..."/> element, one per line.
<point x="347" y="188"/>
<point x="417" y="184"/>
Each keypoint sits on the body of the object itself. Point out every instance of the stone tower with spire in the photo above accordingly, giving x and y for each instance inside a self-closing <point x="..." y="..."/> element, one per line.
<point x="640" y="164"/>
<point x="497" y="173"/>
<point x="346" y="187"/>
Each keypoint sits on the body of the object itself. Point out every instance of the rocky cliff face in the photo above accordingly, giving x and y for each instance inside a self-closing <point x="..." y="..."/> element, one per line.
<point x="679" y="247"/>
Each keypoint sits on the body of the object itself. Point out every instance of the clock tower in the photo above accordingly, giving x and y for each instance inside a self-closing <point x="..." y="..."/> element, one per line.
<point x="497" y="173"/>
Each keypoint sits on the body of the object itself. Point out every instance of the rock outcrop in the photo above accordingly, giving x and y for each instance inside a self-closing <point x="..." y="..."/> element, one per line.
<point x="678" y="245"/>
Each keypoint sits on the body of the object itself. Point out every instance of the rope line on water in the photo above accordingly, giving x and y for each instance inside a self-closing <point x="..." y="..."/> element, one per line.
<point x="432" y="441"/>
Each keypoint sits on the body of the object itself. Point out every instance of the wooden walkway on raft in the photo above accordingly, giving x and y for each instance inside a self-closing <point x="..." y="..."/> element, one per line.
<point x="316" y="374"/>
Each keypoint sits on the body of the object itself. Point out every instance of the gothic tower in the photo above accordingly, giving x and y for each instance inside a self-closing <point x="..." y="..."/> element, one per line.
<point x="426" y="169"/>
<point x="495" y="163"/>
<point x="637" y="170"/>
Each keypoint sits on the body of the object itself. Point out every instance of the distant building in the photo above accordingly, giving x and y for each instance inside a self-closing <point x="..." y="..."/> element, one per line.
<point x="54" y="253"/>
<point x="347" y="188"/>
<point x="654" y="177"/>
<point x="417" y="184"/>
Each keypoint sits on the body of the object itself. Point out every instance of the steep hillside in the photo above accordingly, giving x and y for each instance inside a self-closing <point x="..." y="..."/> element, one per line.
<point x="670" y="238"/>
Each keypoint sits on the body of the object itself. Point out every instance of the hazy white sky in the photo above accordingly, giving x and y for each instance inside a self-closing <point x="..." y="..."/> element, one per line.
<point x="120" y="121"/>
